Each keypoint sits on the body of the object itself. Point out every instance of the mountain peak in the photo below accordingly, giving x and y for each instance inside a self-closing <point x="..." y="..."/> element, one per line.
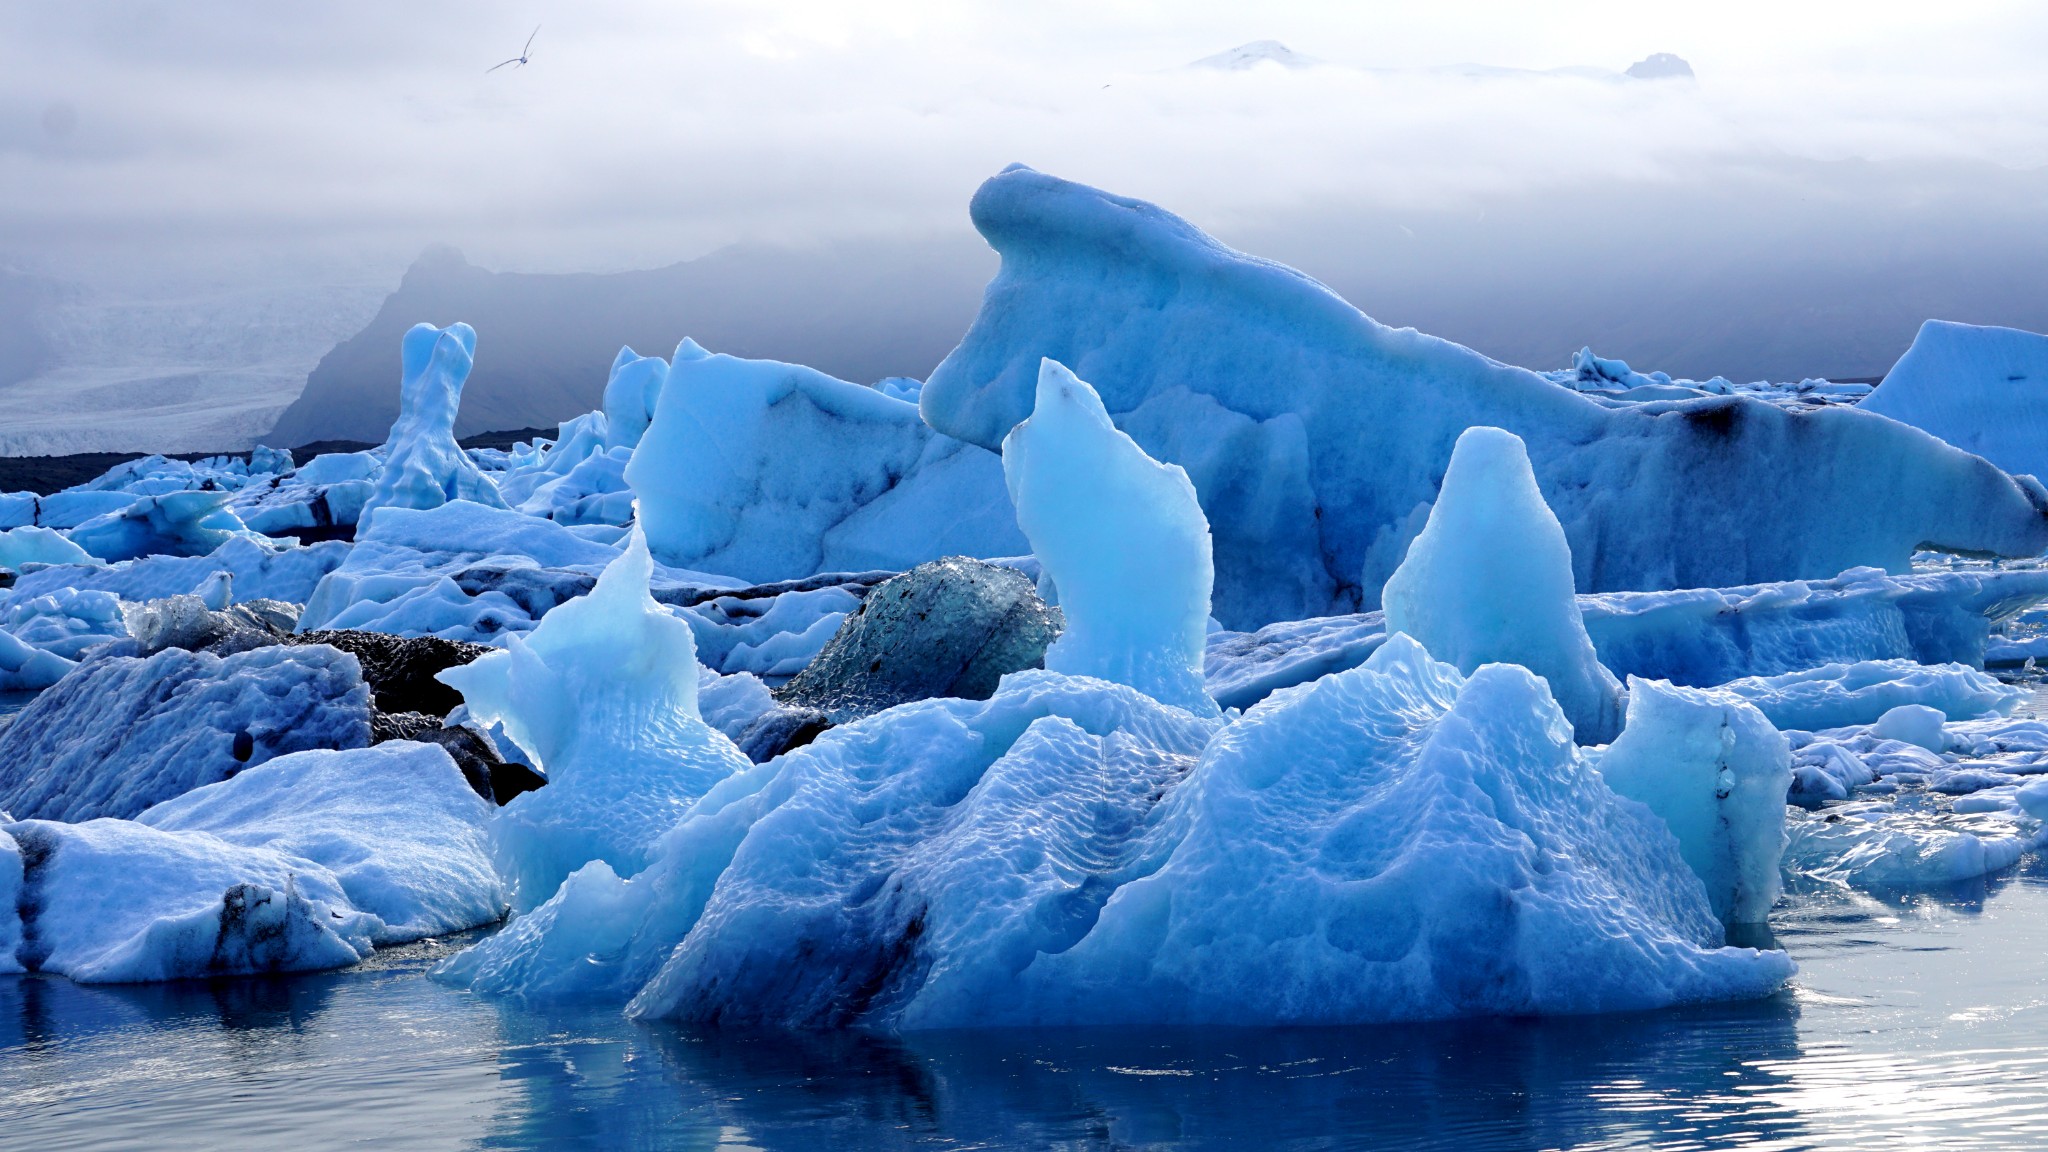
<point x="1245" y="57"/>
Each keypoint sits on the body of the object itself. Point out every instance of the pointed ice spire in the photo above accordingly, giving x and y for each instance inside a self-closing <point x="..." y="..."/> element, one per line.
<point x="424" y="467"/>
<point x="1489" y="581"/>
<point x="1124" y="540"/>
<point x="603" y="697"/>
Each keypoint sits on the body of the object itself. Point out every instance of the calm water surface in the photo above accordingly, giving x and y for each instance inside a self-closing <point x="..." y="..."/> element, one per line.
<point x="1919" y="1022"/>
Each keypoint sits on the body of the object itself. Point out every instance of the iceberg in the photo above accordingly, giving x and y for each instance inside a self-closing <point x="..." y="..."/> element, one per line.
<point x="766" y="471"/>
<point x="116" y="901"/>
<point x="630" y="396"/>
<point x="1982" y="389"/>
<point x="1489" y="581"/>
<point x="602" y="697"/>
<point x="813" y="866"/>
<point x="402" y="832"/>
<point x="575" y="441"/>
<point x="1698" y="637"/>
<point x="1716" y="772"/>
<point x="1397" y="842"/>
<point x="27" y="668"/>
<point x="1071" y="851"/>
<point x="1343" y="854"/>
<point x="306" y="862"/>
<point x="175" y="524"/>
<point x="1337" y="426"/>
<point x="118" y="734"/>
<point x="31" y="545"/>
<point x="423" y="466"/>
<point x="1841" y="695"/>
<point x="1121" y="537"/>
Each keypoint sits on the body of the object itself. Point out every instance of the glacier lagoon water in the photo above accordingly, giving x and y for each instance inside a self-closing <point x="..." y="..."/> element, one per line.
<point x="1918" y="1021"/>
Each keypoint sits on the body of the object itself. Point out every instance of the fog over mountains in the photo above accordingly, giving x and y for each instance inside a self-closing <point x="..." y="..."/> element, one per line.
<point x="545" y="342"/>
<point x="1715" y="277"/>
<point x="209" y="224"/>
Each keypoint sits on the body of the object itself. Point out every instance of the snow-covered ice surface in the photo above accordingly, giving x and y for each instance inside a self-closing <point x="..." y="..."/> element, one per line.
<point x="118" y="901"/>
<point x="1982" y="389"/>
<point x="403" y="834"/>
<point x="1489" y="580"/>
<point x="1297" y="419"/>
<point x="306" y="862"/>
<point x="1699" y="637"/>
<point x="123" y="733"/>
<point x="768" y="471"/>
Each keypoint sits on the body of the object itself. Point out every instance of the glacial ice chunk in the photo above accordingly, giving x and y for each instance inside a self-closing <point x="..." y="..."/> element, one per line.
<point x="118" y="901"/>
<point x="32" y="545"/>
<point x="768" y="471"/>
<point x="630" y="396"/>
<point x="261" y="570"/>
<point x="402" y="832"/>
<point x="602" y="697"/>
<point x="1839" y="695"/>
<point x="1489" y="580"/>
<point x="423" y="466"/>
<point x="1982" y="389"/>
<point x="26" y="668"/>
<point x="1355" y="419"/>
<point x="1915" y="724"/>
<point x="10" y="901"/>
<point x="1396" y="842"/>
<point x="1357" y="849"/>
<point x="1716" y="771"/>
<point x="1121" y="536"/>
<point x="987" y="824"/>
<point x="119" y="734"/>
<point x="175" y="524"/>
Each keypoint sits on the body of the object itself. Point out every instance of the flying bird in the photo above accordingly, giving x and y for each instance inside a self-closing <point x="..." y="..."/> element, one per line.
<point x="520" y="60"/>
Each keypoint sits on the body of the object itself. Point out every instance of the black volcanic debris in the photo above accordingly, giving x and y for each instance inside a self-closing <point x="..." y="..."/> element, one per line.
<point x="490" y="775"/>
<point x="400" y="669"/>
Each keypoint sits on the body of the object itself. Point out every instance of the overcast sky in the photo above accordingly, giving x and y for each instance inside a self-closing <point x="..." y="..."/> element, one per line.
<point x="142" y="135"/>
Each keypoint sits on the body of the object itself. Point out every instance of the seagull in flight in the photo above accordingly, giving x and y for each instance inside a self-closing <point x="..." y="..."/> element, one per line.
<point x="520" y="60"/>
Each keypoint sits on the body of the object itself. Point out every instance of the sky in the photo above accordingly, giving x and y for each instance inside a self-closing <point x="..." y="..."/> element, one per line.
<point x="643" y="133"/>
<point x="301" y="147"/>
